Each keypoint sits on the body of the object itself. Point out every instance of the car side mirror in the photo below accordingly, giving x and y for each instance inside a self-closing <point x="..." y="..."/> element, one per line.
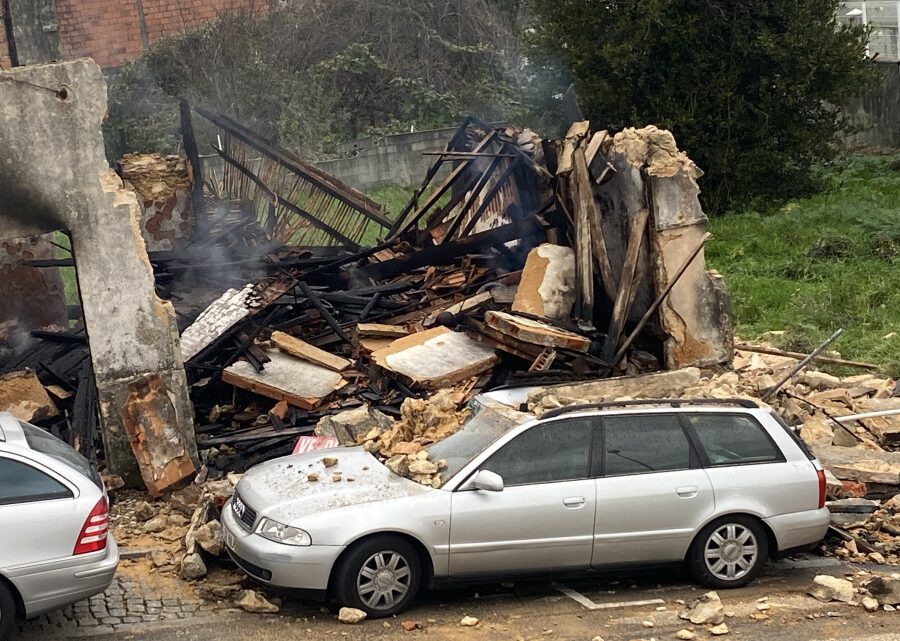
<point x="487" y="481"/>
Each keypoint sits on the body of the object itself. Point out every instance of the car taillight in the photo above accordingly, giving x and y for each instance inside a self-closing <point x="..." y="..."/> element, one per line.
<point x="92" y="537"/>
<point x="821" y="475"/>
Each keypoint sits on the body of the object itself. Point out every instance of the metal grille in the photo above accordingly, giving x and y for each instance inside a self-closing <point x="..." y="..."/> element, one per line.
<point x="244" y="513"/>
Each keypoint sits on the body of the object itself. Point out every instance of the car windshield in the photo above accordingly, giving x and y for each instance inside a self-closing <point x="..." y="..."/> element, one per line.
<point x="42" y="441"/>
<point x="458" y="449"/>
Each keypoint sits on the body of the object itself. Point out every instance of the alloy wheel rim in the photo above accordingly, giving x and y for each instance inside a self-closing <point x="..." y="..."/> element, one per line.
<point x="383" y="580"/>
<point x="731" y="551"/>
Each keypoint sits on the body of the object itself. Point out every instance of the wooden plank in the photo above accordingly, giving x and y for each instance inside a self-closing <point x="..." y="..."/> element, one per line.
<point x="626" y="283"/>
<point x="380" y="330"/>
<point x="585" y="200"/>
<point x="535" y="332"/>
<point x="303" y="350"/>
<point x="286" y="378"/>
<point x="576" y="132"/>
<point x="436" y="358"/>
<point x="584" y="264"/>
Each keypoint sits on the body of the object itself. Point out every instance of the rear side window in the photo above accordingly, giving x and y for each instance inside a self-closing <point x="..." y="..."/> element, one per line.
<point x="42" y="441"/>
<point x="554" y="451"/>
<point x="643" y="444"/>
<point x="21" y="483"/>
<point x="733" y="439"/>
<point x="794" y="436"/>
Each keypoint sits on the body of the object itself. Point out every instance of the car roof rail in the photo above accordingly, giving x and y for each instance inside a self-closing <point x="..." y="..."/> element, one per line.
<point x="672" y="402"/>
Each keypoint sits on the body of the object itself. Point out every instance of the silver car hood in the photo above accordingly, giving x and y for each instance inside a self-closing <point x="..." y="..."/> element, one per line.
<point x="281" y="489"/>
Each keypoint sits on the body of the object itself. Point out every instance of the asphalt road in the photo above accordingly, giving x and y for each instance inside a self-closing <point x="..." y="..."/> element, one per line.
<point x="613" y="608"/>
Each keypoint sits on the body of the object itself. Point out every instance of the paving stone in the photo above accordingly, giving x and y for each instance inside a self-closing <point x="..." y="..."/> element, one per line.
<point x="109" y="620"/>
<point x="170" y="602"/>
<point x="131" y="619"/>
<point x="151" y="603"/>
<point x="87" y="621"/>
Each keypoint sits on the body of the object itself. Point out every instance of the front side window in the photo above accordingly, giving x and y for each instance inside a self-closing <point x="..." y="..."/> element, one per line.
<point x="549" y="452"/>
<point x="21" y="483"/>
<point x="646" y="443"/>
<point x="730" y="439"/>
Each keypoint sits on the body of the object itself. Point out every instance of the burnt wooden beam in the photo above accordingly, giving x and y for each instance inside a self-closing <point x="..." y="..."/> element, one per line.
<point x="310" y="218"/>
<point x="329" y="184"/>
<point x="198" y="202"/>
<point x="447" y="252"/>
<point x="627" y="284"/>
<point x="316" y="302"/>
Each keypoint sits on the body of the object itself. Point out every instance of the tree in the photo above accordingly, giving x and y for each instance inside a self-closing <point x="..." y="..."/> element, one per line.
<point x="748" y="87"/>
<point x="317" y="72"/>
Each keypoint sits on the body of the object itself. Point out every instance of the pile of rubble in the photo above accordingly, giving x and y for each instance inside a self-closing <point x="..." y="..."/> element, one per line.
<point x="517" y="261"/>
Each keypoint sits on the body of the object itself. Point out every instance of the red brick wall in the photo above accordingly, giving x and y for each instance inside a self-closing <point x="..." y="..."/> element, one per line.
<point x="109" y="30"/>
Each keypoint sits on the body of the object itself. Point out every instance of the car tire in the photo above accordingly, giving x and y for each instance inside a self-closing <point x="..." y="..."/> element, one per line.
<point x="729" y="552"/>
<point x="7" y="613"/>
<point x="380" y="576"/>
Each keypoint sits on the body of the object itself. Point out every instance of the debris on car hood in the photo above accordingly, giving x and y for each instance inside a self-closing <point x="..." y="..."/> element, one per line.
<point x="294" y="486"/>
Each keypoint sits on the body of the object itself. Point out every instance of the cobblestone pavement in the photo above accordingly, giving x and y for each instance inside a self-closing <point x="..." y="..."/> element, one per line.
<point x="127" y="603"/>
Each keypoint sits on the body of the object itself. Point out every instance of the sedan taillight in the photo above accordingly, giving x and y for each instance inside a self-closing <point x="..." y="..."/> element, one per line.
<point x="821" y="475"/>
<point x="92" y="537"/>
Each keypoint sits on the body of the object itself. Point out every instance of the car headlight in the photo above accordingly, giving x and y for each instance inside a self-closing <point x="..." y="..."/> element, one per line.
<point x="281" y="533"/>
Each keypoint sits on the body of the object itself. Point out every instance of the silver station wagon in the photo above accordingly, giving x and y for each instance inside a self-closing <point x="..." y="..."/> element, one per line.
<point x="54" y="543"/>
<point x="720" y="486"/>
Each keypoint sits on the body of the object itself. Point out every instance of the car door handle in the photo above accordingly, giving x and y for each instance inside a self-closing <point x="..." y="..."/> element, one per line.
<point x="687" y="491"/>
<point x="574" y="501"/>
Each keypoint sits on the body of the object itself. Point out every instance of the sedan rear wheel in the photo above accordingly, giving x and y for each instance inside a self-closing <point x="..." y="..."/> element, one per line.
<point x="7" y="613"/>
<point x="729" y="552"/>
<point x="379" y="576"/>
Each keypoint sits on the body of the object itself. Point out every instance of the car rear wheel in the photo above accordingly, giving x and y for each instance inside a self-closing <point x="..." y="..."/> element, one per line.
<point x="729" y="552"/>
<point x="379" y="576"/>
<point x="7" y="613"/>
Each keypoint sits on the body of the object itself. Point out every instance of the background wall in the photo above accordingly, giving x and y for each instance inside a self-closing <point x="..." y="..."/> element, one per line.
<point x="389" y="160"/>
<point x="109" y="31"/>
<point x="879" y="112"/>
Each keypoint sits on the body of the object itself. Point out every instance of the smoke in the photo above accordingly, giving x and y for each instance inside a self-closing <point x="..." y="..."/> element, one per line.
<point x="24" y="210"/>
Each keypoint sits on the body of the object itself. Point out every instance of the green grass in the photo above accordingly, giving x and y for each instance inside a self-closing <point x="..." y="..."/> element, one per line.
<point x="394" y="198"/>
<point x="821" y="263"/>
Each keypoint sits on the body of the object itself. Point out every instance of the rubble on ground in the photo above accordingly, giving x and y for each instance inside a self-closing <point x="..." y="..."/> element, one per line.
<point x="351" y="615"/>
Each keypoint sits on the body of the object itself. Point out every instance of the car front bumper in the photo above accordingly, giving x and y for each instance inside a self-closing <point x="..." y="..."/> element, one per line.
<point x="799" y="529"/>
<point x="55" y="584"/>
<point x="285" y="566"/>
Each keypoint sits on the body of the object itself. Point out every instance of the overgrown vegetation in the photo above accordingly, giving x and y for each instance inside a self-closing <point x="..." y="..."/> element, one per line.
<point x="315" y="73"/>
<point x="821" y="263"/>
<point x="747" y="87"/>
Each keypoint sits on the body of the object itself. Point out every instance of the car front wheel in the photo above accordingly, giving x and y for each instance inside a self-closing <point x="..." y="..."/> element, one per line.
<point x="729" y="552"/>
<point x="379" y="576"/>
<point x="7" y="613"/>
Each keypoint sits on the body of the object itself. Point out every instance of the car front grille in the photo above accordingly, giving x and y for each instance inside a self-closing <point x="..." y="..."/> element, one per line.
<point x="243" y="512"/>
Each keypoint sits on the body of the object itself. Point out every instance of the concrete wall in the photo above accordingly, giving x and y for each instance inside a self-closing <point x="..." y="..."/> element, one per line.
<point x="35" y="30"/>
<point x="879" y="112"/>
<point x="389" y="160"/>
<point x="55" y="176"/>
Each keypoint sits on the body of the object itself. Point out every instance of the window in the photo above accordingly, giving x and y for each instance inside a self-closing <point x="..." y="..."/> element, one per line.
<point x="555" y="451"/>
<point x="20" y="483"/>
<point x="645" y="443"/>
<point x="730" y="439"/>
<point x="42" y="441"/>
